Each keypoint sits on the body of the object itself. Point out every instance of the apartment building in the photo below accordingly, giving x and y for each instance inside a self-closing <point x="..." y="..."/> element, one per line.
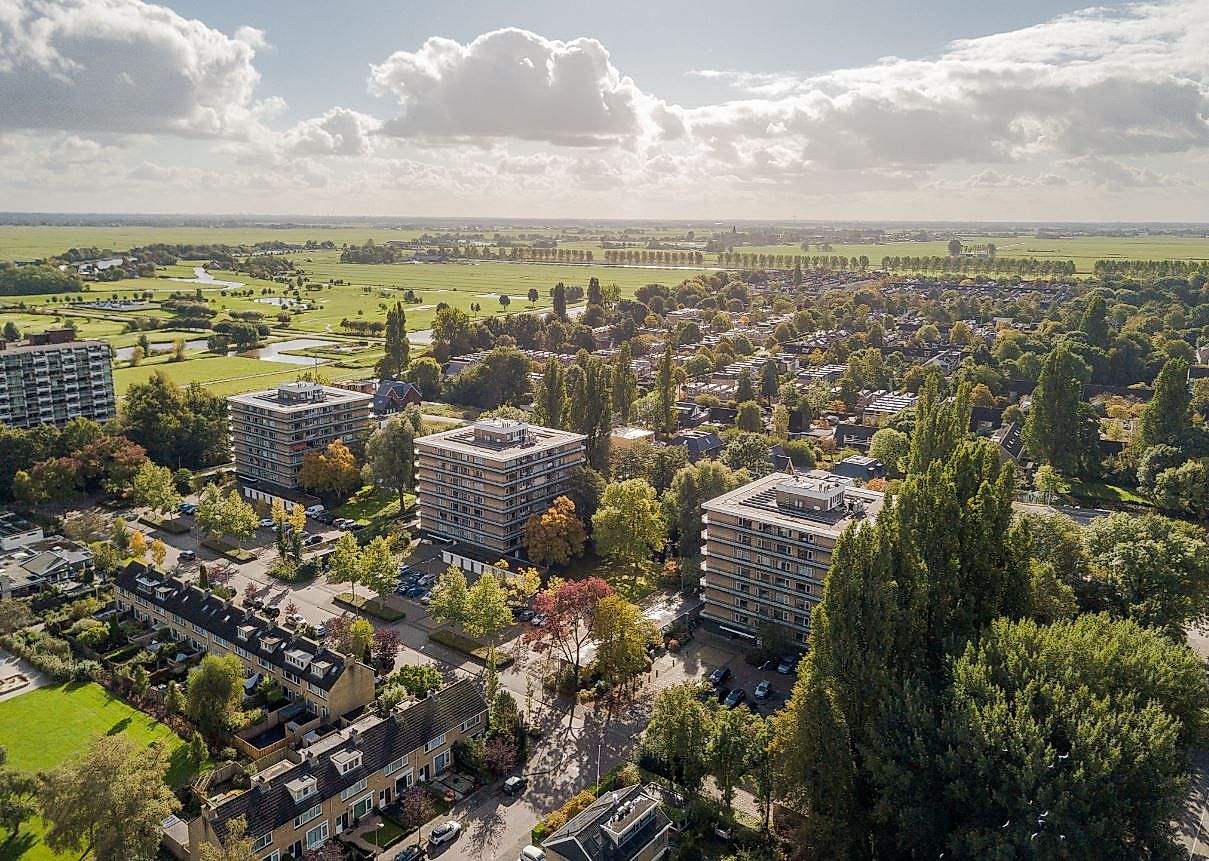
<point x="51" y="378"/>
<point x="329" y="683"/>
<point x="271" y="431"/>
<point x="480" y="483"/>
<point x="767" y="548"/>
<point x="623" y="825"/>
<point x="296" y="805"/>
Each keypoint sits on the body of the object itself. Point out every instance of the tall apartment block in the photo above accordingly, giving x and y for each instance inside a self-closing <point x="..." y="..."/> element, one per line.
<point x="52" y="378"/>
<point x="480" y="483"/>
<point x="271" y="431"/>
<point x="767" y="548"/>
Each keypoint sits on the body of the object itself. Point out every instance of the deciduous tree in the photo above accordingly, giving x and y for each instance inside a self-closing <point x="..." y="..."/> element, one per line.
<point x="568" y="606"/>
<point x="680" y="733"/>
<point x="555" y="536"/>
<point x="622" y="636"/>
<point x="390" y="452"/>
<point x="331" y="472"/>
<point x="630" y="523"/>
<point x="213" y="693"/>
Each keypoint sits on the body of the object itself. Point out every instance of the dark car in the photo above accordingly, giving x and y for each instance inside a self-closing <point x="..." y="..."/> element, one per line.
<point x="735" y="697"/>
<point x="325" y="517"/>
<point x="272" y="612"/>
<point x="415" y="591"/>
<point x="188" y="554"/>
<point x="254" y="603"/>
<point x="411" y="853"/>
<point x="719" y="676"/>
<point x="515" y="785"/>
<point x="312" y="540"/>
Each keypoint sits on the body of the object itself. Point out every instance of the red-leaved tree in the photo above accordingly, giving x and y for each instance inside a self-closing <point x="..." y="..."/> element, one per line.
<point x="568" y="606"/>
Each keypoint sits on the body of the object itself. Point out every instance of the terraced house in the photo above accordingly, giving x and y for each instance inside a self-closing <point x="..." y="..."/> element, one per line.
<point x="767" y="548"/>
<point x="329" y="683"/>
<point x="298" y="804"/>
<point x="479" y="484"/>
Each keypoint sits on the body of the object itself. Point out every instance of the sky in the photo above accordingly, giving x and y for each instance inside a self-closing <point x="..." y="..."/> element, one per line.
<point x="1037" y="110"/>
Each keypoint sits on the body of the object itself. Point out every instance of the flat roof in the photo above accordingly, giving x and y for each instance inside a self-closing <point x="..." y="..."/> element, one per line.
<point x="758" y="500"/>
<point x="15" y="347"/>
<point x="272" y="399"/>
<point x="468" y="440"/>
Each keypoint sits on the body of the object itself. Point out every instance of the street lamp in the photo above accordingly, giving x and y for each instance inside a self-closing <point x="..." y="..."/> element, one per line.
<point x="598" y="744"/>
<point x="378" y="835"/>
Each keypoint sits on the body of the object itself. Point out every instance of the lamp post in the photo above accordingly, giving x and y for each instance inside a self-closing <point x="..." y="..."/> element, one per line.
<point x="598" y="744"/>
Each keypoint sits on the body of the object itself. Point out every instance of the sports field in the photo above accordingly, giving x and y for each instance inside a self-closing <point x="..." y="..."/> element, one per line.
<point x="42" y="728"/>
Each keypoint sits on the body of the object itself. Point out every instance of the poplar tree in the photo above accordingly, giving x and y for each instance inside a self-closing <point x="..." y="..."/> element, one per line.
<point x="1051" y="428"/>
<point x="625" y="384"/>
<point x="665" y="388"/>
<point x="397" y="347"/>
<point x="1170" y="410"/>
<point x="551" y="403"/>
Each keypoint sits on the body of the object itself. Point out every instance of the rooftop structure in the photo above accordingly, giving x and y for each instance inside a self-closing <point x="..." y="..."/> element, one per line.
<point x="623" y="825"/>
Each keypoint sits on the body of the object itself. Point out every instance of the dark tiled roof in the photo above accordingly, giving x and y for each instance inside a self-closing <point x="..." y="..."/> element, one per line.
<point x="269" y="805"/>
<point x="394" y="395"/>
<point x="218" y="617"/>
<point x="698" y="443"/>
<point x="857" y="435"/>
<point x="582" y="838"/>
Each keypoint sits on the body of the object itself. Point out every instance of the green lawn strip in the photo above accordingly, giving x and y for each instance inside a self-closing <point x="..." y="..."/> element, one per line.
<point x="369" y="607"/>
<point x="42" y="728"/>
<point x="172" y="527"/>
<point x="235" y="554"/>
<point x="470" y="647"/>
<point x="369" y="505"/>
<point x="203" y="369"/>
<point x="1099" y="491"/>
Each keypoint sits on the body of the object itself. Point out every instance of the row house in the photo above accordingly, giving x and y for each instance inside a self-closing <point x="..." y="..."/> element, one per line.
<point x="329" y="683"/>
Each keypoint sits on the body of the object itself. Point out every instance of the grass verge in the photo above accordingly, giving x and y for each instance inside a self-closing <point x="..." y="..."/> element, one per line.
<point x="369" y="606"/>
<point x="164" y="524"/>
<point x="470" y="647"/>
<point x="235" y="554"/>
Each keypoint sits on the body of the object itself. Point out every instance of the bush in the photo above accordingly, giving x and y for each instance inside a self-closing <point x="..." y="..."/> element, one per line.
<point x="556" y="820"/>
<point x="47" y="654"/>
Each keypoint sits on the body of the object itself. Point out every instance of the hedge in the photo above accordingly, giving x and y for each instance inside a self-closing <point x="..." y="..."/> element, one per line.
<point x="235" y="554"/>
<point x="164" y="524"/>
<point x="369" y="606"/>
<point x="469" y="647"/>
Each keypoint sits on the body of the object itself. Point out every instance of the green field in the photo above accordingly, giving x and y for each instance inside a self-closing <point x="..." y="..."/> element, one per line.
<point x="204" y="369"/>
<point x="42" y="728"/>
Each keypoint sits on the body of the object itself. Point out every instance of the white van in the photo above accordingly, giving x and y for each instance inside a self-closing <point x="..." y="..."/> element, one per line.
<point x="532" y="853"/>
<point x="314" y="510"/>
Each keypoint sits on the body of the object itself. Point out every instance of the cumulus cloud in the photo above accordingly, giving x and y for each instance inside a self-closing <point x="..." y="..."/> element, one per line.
<point x="123" y="66"/>
<point x="340" y="131"/>
<point x="512" y="83"/>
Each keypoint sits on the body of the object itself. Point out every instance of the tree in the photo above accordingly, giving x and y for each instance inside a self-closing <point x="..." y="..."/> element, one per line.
<point x="589" y="412"/>
<point x="555" y="536"/>
<point x="780" y="422"/>
<point x="11" y="332"/>
<point x="624" y="389"/>
<point x="177" y="427"/>
<point x="622" y="636"/>
<point x="1154" y="571"/>
<point x="425" y="373"/>
<point x="378" y="569"/>
<point x="680" y="734"/>
<point x="108" y="802"/>
<point x="213" y="693"/>
<point x="533" y="295"/>
<point x="449" y="597"/>
<point x="1051" y="428"/>
<point x="693" y="486"/>
<point x="732" y="749"/>
<point x="1048" y="481"/>
<point x="344" y="562"/>
<point x="174" y="700"/>
<point x="17" y="804"/>
<point x="954" y="247"/>
<point x="629" y="524"/>
<point x="551" y="402"/>
<point x="419" y="679"/>
<point x="769" y="381"/>
<point x="499" y="754"/>
<point x="748" y="417"/>
<point x="1095" y="322"/>
<point x="159" y="552"/>
<point x="505" y="300"/>
<point x="225" y="515"/>
<point x="487" y="611"/>
<point x="892" y="448"/>
<point x="559" y="297"/>
<point x="585" y="487"/>
<point x="568" y="606"/>
<point x="331" y="472"/>
<point x="665" y="391"/>
<point x="1184" y="489"/>
<point x="390" y="452"/>
<point x="236" y="846"/>
<point x="396" y="358"/>
<point x="138" y="544"/>
<point x="745" y="390"/>
<point x="155" y="487"/>
<point x="417" y="809"/>
<point x="1170" y="410"/>
<point x="750" y="452"/>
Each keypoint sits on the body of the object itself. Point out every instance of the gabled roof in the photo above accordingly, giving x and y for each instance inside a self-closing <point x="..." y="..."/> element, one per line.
<point x="268" y="805"/>
<point x="587" y="838"/>
<point x="238" y="626"/>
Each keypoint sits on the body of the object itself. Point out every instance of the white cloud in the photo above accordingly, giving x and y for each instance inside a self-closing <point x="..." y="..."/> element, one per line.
<point x="515" y="84"/>
<point x="340" y="131"/>
<point x="123" y="66"/>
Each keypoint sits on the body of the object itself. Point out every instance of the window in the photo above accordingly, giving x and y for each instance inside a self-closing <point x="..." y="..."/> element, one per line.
<point x="474" y="721"/>
<point x="264" y="841"/>
<point x="353" y="790"/>
<point x="392" y="767"/>
<point x="306" y="816"/>
<point x="364" y="806"/>
<point x="435" y="743"/>
<point x="317" y="836"/>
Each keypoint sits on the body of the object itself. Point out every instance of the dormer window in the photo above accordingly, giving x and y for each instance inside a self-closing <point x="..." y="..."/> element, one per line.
<point x="298" y="658"/>
<point x="244" y="632"/>
<point x="302" y="788"/>
<point x="346" y="760"/>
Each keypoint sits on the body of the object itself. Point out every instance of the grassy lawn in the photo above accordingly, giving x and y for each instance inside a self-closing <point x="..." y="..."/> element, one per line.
<point x="205" y="369"/>
<point x="634" y="585"/>
<point x="1098" y="491"/>
<point x="369" y="505"/>
<point x="388" y="835"/>
<point x="44" y="727"/>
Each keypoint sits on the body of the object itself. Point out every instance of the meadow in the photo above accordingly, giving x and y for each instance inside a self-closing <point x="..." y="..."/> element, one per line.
<point x="43" y="728"/>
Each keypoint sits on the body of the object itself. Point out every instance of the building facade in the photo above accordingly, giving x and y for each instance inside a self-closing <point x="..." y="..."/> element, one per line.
<point x="623" y="825"/>
<point x="329" y="683"/>
<point x="767" y="548"/>
<point x="480" y="483"/>
<point x="52" y="378"/>
<point x="272" y="431"/>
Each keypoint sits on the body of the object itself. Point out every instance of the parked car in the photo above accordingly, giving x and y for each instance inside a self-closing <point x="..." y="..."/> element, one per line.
<point x="272" y="612"/>
<point x="515" y="785"/>
<point x="787" y="664"/>
<point x="533" y="853"/>
<point x="254" y="603"/>
<point x="427" y="580"/>
<point x="426" y="598"/>
<point x="187" y="554"/>
<point x="415" y="591"/>
<point x="537" y="620"/>
<point x="266" y="523"/>
<point x="321" y="630"/>
<point x="312" y="540"/>
<point x="763" y="690"/>
<point x="718" y="676"/>
<point x="314" y="510"/>
<point x="296" y="619"/>
<point x="735" y="697"/>
<point x="444" y="833"/>
<point x="325" y="517"/>
<point x="411" y="853"/>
